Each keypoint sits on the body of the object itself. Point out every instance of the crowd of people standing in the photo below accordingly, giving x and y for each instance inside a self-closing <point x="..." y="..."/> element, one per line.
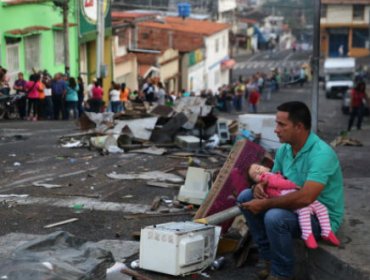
<point x="64" y="97"/>
<point x="45" y="97"/>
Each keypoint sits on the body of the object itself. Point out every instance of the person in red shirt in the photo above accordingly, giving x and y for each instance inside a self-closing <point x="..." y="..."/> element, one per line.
<point x="96" y="98"/>
<point x="253" y="100"/>
<point x="359" y="101"/>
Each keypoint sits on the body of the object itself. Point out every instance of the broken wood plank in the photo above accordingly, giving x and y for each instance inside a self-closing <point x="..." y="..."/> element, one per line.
<point x="140" y="146"/>
<point x="166" y="170"/>
<point x="155" y="203"/>
<point x="162" y="184"/>
<point x="61" y="223"/>
<point x="134" y="274"/>
<point x="213" y="159"/>
<point x="149" y="215"/>
<point x="78" y="194"/>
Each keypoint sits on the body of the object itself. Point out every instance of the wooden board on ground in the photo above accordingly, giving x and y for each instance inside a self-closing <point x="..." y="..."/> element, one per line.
<point x="231" y="180"/>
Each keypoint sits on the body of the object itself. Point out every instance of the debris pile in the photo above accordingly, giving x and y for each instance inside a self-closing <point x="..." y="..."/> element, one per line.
<point x="189" y="124"/>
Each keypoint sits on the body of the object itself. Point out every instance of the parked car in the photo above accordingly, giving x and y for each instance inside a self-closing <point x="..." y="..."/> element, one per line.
<point x="346" y="99"/>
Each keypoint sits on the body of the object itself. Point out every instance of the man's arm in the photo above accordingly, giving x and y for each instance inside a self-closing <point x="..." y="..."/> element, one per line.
<point x="294" y="200"/>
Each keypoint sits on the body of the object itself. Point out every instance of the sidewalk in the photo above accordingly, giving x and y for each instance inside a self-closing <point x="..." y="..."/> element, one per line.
<point x="350" y="260"/>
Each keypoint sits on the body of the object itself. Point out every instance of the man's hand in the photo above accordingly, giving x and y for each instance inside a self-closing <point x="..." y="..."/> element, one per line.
<point x="255" y="205"/>
<point x="259" y="190"/>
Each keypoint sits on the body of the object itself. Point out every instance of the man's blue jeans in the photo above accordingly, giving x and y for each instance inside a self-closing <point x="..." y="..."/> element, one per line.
<point x="274" y="231"/>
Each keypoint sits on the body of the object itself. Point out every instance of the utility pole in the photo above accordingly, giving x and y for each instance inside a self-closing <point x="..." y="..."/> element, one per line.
<point x="315" y="63"/>
<point x="100" y="26"/>
<point x="66" y="36"/>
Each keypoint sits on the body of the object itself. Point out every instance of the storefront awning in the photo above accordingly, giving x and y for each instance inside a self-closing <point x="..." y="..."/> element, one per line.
<point x="16" y="33"/>
<point x="59" y="26"/>
<point x="228" y="64"/>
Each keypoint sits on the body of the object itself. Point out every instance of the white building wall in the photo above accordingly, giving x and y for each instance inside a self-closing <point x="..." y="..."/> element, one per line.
<point x="124" y="72"/>
<point x="343" y="14"/>
<point x="338" y="14"/>
<point x="213" y="76"/>
<point x="226" y="5"/>
<point x="196" y="77"/>
<point x="226" y="13"/>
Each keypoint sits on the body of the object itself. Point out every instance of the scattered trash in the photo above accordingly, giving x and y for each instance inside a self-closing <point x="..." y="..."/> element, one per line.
<point x="45" y="185"/>
<point x="112" y="149"/>
<point x="345" y="141"/>
<point x="213" y="142"/>
<point x="68" y="256"/>
<point x="73" y="144"/>
<point x="102" y="142"/>
<point x="114" y="272"/>
<point x="17" y="163"/>
<point x="151" y="175"/>
<point x="193" y="161"/>
<point x="48" y="265"/>
<point x="196" y="186"/>
<point x="162" y="184"/>
<point x="14" y="195"/>
<point x="78" y="208"/>
<point x="166" y="200"/>
<point x="205" y="275"/>
<point x="134" y="274"/>
<point x="218" y="263"/>
<point x="188" y="142"/>
<point x="72" y="220"/>
<point x="135" y="264"/>
<point x="12" y="155"/>
<point x="140" y="128"/>
<point x="155" y="203"/>
<point x="151" y="151"/>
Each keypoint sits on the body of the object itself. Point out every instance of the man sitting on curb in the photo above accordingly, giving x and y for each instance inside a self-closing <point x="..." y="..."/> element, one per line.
<point x="311" y="164"/>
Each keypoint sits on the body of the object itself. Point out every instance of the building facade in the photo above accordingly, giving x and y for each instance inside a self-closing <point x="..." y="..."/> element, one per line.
<point x="203" y="49"/>
<point x="32" y="37"/>
<point x="345" y="28"/>
<point x="87" y="44"/>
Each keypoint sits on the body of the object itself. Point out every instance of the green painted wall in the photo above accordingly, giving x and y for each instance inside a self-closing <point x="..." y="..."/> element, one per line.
<point x="45" y="14"/>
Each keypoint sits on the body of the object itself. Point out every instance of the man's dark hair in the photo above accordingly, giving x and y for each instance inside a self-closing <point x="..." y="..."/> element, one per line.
<point x="298" y="112"/>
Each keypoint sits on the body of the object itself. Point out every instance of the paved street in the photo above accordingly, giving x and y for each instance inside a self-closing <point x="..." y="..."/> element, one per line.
<point x="264" y="61"/>
<point x="105" y="208"/>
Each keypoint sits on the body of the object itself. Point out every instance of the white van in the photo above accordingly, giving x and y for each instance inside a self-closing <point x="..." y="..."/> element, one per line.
<point x="339" y="76"/>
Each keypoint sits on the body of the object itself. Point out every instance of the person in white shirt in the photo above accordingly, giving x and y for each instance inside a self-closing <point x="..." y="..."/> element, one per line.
<point x="160" y="94"/>
<point x="114" y="96"/>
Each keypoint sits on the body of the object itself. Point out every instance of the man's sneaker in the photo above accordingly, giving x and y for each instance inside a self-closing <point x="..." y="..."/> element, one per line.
<point x="264" y="271"/>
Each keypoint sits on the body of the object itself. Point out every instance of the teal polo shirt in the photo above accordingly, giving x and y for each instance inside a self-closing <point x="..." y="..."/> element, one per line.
<point x="317" y="162"/>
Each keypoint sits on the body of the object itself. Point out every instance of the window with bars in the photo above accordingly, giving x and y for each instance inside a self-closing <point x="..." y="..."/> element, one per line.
<point x="12" y="55"/>
<point x="32" y="52"/>
<point x="358" y="12"/>
<point x="360" y="38"/>
<point x="58" y="47"/>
